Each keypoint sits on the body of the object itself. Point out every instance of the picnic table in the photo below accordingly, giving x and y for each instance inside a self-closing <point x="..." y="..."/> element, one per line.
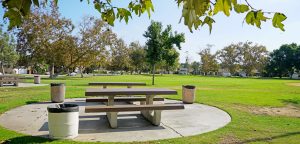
<point x="146" y="107"/>
<point x="128" y="84"/>
<point x="9" y="79"/>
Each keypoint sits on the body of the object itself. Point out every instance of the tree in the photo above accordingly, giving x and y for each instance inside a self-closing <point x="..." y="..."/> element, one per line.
<point x="8" y="54"/>
<point x="159" y="41"/>
<point x="41" y="36"/>
<point x="196" y="67"/>
<point x="228" y="57"/>
<point x="137" y="55"/>
<point x="171" y="59"/>
<point x="208" y="60"/>
<point x="196" y="13"/>
<point x="119" y="60"/>
<point x="94" y="39"/>
<point x="252" y="57"/>
<point x="283" y="61"/>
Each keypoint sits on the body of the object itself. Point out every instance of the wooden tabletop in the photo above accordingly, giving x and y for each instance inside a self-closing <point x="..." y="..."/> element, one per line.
<point x="119" y="83"/>
<point x="131" y="91"/>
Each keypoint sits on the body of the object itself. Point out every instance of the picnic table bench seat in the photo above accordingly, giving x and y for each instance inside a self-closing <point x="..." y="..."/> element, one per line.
<point x="112" y="111"/>
<point x="122" y="99"/>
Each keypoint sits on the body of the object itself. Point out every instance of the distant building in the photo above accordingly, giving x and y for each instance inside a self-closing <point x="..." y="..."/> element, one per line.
<point x="242" y="74"/>
<point x="295" y="76"/>
<point x="20" y="71"/>
<point x="183" y="71"/>
<point x="224" y="73"/>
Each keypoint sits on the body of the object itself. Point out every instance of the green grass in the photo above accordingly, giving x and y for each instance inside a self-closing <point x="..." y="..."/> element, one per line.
<point x="225" y="93"/>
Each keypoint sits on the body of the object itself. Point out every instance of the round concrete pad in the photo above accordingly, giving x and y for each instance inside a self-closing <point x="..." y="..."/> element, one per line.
<point x="194" y="119"/>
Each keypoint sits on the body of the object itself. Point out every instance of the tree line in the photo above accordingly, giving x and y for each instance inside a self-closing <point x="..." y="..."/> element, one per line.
<point x="249" y="58"/>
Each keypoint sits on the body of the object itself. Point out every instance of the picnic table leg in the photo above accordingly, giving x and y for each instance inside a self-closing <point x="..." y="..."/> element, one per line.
<point x="156" y="117"/>
<point x="104" y="86"/>
<point x="1" y="84"/>
<point x="112" y="116"/>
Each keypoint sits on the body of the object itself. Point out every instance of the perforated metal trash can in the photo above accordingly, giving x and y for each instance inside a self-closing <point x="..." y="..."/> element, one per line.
<point x="58" y="92"/>
<point x="37" y="79"/>
<point x="63" y="121"/>
<point x="188" y="94"/>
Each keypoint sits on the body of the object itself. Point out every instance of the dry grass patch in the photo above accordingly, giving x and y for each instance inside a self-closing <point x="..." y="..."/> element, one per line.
<point x="293" y="84"/>
<point x="229" y="139"/>
<point x="289" y="110"/>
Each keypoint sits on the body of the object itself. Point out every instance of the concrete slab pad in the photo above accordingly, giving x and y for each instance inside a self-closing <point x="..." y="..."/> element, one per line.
<point x="195" y="119"/>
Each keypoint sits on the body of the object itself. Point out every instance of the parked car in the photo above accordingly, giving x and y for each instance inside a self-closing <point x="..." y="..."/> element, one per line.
<point x="1" y="73"/>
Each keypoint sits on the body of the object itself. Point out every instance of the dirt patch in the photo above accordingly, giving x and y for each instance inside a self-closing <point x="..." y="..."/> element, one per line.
<point x="293" y="84"/>
<point x="229" y="139"/>
<point x="289" y="110"/>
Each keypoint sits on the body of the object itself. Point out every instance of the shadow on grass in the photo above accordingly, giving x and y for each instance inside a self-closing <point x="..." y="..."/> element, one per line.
<point x="31" y="102"/>
<point x="295" y="101"/>
<point x="26" y="140"/>
<point x="264" y="139"/>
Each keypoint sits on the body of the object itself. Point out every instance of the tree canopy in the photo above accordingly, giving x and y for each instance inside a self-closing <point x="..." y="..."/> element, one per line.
<point x="160" y="43"/>
<point x="8" y="54"/>
<point x="284" y="61"/>
<point x="196" y="13"/>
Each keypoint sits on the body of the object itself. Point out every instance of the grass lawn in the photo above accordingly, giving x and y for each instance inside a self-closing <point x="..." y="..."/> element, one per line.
<point x="234" y="95"/>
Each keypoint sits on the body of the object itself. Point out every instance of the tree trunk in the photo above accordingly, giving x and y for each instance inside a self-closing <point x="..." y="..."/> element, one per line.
<point x="81" y="72"/>
<point x="2" y="68"/>
<point x="153" y="73"/>
<point x="52" y="71"/>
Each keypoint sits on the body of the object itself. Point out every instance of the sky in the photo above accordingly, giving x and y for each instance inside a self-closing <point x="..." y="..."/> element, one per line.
<point x="225" y="31"/>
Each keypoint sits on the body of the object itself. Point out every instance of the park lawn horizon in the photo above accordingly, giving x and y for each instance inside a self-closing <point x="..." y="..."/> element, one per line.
<point x="233" y="95"/>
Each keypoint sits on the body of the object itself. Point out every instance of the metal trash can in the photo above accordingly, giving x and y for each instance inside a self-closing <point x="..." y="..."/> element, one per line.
<point x="58" y="92"/>
<point x="188" y="94"/>
<point x="63" y="121"/>
<point x="37" y="79"/>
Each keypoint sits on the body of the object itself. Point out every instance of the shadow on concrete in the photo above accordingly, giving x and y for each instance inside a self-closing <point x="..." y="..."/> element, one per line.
<point x="99" y="124"/>
<point x="44" y="127"/>
<point x="27" y="140"/>
<point x="265" y="139"/>
<point x="38" y="102"/>
<point x="79" y="103"/>
<point x="126" y="122"/>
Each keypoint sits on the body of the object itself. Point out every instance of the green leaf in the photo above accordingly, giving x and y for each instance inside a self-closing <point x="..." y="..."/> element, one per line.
<point x="14" y="18"/>
<point x="209" y="21"/>
<point x="223" y="5"/>
<point x="249" y="18"/>
<point x="227" y="7"/>
<point x="123" y="13"/>
<point x="241" y="8"/>
<point x="277" y="20"/>
<point x="148" y="6"/>
<point x="26" y="7"/>
<point x="255" y="18"/>
<point x="36" y="2"/>
<point x="97" y="7"/>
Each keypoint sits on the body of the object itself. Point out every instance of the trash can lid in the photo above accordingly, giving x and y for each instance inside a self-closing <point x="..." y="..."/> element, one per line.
<point x="57" y="84"/>
<point x="36" y="76"/>
<point x="62" y="108"/>
<point x="189" y="86"/>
